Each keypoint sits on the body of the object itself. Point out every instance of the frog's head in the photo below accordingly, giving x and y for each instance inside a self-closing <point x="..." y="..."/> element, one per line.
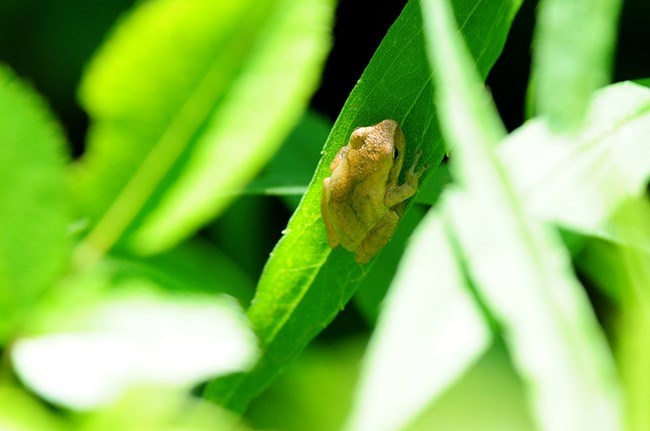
<point x="378" y="148"/>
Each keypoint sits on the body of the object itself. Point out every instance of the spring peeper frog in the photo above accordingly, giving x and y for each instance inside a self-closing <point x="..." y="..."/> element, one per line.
<point x="362" y="201"/>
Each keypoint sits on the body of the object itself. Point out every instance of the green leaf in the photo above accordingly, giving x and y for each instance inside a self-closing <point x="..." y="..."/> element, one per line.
<point x="34" y="246"/>
<point x="429" y="321"/>
<point x="579" y="180"/>
<point x="288" y="173"/>
<point x="195" y="266"/>
<point x="111" y="329"/>
<point x="179" y="100"/>
<point x="574" y="45"/>
<point x="519" y="266"/>
<point x="305" y="283"/>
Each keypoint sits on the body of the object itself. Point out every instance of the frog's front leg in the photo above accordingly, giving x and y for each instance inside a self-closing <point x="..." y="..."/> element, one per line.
<point x="377" y="237"/>
<point x="398" y="194"/>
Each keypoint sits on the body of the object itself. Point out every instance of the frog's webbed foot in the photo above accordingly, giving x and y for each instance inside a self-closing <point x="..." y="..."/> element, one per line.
<point x="413" y="176"/>
<point x="402" y="192"/>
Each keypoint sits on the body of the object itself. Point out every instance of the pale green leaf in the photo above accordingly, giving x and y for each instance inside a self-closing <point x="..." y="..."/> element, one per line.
<point x="579" y="180"/>
<point x="105" y="335"/>
<point x="429" y="333"/>
<point x="519" y="266"/>
<point x="574" y="45"/>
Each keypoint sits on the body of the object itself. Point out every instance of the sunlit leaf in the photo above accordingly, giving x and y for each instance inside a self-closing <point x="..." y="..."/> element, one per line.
<point x="519" y="266"/>
<point x="429" y="333"/>
<point x="574" y="45"/>
<point x="579" y="180"/>
<point x="33" y="218"/>
<point x="88" y="351"/>
<point x="20" y="412"/>
<point x="188" y="99"/>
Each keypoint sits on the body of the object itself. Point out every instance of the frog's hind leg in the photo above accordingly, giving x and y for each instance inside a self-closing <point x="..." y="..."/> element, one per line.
<point x="377" y="238"/>
<point x="332" y="238"/>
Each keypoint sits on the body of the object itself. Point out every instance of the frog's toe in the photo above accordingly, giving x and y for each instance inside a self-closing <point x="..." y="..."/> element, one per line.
<point x="423" y="168"/>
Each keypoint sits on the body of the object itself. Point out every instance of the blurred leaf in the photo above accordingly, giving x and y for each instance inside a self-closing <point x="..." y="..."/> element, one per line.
<point x="574" y="44"/>
<point x="319" y="385"/>
<point x="630" y="279"/>
<point x="20" y="412"/>
<point x="645" y="82"/>
<point x="179" y="100"/>
<point x="579" y="180"/>
<point x="429" y="333"/>
<point x="305" y="283"/>
<point x="159" y="409"/>
<point x="94" y="343"/>
<point x="290" y="170"/>
<point x="33" y="240"/>
<point x="519" y="266"/>
<point x="195" y="266"/>
<point x="372" y="290"/>
<point x="490" y="397"/>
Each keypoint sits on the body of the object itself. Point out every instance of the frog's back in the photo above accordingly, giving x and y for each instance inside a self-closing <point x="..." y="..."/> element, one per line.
<point x="356" y="207"/>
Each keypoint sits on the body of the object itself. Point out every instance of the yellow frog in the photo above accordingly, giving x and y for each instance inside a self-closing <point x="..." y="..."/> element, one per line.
<point x="362" y="202"/>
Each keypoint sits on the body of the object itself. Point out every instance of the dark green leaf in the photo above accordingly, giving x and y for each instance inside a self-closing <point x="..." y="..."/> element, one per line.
<point x="305" y="283"/>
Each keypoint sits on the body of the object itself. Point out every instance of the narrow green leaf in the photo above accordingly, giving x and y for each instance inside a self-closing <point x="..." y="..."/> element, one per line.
<point x="305" y="283"/>
<point x="574" y="45"/>
<point x="430" y="322"/>
<point x="519" y="266"/>
<point x="33" y="219"/>
<point x="180" y="101"/>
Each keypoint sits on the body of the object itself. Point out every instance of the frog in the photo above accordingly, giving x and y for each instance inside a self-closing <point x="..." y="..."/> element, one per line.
<point x="362" y="200"/>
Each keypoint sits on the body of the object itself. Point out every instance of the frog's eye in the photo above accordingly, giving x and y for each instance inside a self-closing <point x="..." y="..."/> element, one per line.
<point x="395" y="154"/>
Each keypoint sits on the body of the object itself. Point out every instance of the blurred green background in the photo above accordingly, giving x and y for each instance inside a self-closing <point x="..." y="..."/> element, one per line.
<point x="48" y="43"/>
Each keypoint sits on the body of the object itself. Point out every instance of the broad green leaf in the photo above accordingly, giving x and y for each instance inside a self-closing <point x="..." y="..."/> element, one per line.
<point x="106" y="332"/>
<point x="33" y="234"/>
<point x="429" y="333"/>
<point x="574" y="45"/>
<point x="305" y="283"/>
<point x="579" y="180"/>
<point x="519" y="266"/>
<point x="188" y="99"/>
